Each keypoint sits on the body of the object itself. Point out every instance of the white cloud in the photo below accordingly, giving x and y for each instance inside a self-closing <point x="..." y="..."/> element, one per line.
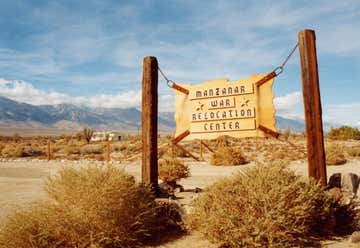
<point x="25" y="92"/>
<point x="289" y="103"/>
<point x="291" y="106"/>
<point x="347" y="114"/>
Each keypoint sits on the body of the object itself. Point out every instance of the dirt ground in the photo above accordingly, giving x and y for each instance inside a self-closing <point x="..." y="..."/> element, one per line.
<point x="21" y="182"/>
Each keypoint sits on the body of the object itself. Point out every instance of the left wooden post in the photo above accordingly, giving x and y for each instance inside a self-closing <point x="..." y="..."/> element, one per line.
<point x="149" y="169"/>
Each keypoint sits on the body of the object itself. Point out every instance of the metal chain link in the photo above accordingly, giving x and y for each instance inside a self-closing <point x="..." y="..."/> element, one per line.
<point x="278" y="70"/>
<point x="169" y="82"/>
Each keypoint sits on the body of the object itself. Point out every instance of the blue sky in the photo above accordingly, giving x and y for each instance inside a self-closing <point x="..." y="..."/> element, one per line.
<point x="90" y="52"/>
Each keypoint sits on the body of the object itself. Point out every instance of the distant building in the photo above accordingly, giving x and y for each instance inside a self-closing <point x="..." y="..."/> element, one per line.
<point x="104" y="136"/>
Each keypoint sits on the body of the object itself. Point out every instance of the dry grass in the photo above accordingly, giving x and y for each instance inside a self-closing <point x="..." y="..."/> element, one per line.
<point x="130" y="147"/>
<point x="353" y="151"/>
<point x="171" y="169"/>
<point x="90" y="207"/>
<point x="226" y="155"/>
<point x="265" y="206"/>
<point x="335" y="155"/>
<point x="18" y="150"/>
<point x="92" y="149"/>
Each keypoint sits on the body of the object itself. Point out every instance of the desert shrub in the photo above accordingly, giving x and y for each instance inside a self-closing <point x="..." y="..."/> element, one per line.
<point x="7" y="150"/>
<point x="2" y="146"/>
<point x="344" y="133"/>
<point x="226" y="155"/>
<point x="72" y="149"/>
<point x="353" y="151"/>
<point x="91" y="207"/>
<point x="171" y="169"/>
<point x="92" y="149"/>
<point x="132" y="148"/>
<point x="118" y="147"/>
<point x="335" y="155"/>
<point x="13" y="150"/>
<point x="18" y="152"/>
<point x="29" y="150"/>
<point x="62" y="142"/>
<point x="263" y="206"/>
<point x="278" y="155"/>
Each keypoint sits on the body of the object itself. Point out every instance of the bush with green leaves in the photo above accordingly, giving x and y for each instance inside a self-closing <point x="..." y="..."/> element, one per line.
<point x="264" y="206"/>
<point x="89" y="207"/>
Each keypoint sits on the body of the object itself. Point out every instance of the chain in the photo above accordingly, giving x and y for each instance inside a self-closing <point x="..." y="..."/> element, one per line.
<point x="278" y="70"/>
<point x="169" y="82"/>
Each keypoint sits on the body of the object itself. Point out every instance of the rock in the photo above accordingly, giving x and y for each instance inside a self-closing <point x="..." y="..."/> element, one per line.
<point x="335" y="181"/>
<point x="346" y="181"/>
<point x="349" y="182"/>
<point x="344" y="187"/>
<point x="198" y="190"/>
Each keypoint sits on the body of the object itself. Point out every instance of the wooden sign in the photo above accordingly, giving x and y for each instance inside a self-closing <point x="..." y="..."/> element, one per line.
<point x="219" y="107"/>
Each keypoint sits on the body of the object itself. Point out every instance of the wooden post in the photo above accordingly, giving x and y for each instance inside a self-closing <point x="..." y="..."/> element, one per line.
<point x="149" y="169"/>
<point x="312" y="105"/>
<point x="107" y="151"/>
<point x="48" y="150"/>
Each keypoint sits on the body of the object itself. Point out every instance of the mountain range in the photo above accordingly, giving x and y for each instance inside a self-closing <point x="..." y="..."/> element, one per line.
<point x="16" y="117"/>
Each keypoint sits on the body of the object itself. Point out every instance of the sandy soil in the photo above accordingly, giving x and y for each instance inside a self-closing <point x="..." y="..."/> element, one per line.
<point x="21" y="182"/>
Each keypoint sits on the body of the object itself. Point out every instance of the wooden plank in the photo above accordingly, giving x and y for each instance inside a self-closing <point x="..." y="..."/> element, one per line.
<point x="186" y="151"/>
<point x="181" y="89"/>
<point x="208" y="147"/>
<point x="180" y="137"/>
<point x="312" y="106"/>
<point x="269" y="76"/>
<point x="269" y="131"/>
<point x="149" y="169"/>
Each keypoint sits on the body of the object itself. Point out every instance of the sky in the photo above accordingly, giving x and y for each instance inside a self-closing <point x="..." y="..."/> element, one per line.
<point x="91" y="52"/>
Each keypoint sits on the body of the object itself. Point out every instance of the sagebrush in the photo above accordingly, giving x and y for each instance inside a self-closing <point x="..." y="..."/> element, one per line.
<point x="264" y="206"/>
<point x="335" y="154"/>
<point x="89" y="207"/>
<point x="227" y="155"/>
<point x="171" y="169"/>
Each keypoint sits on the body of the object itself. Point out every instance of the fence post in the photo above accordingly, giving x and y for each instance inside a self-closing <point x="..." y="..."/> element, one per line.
<point x="312" y="106"/>
<point x="149" y="169"/>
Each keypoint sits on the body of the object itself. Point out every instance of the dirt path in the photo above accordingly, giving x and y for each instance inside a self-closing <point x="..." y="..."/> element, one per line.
<point x="21" y="182"/>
